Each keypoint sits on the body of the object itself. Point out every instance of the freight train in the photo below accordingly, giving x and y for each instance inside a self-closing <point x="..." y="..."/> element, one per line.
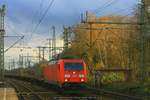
<point x="62" y="72"/>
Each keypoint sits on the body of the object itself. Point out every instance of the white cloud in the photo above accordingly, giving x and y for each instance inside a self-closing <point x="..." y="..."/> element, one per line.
<point x="34" y="42"/>
<point x="37" y="40"/>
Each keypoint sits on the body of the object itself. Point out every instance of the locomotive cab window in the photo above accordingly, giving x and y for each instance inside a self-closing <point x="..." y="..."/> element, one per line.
<point x="73" y="66"/>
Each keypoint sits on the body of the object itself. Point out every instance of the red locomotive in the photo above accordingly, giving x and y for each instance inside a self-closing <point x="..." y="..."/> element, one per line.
<point x="65" y="72"/>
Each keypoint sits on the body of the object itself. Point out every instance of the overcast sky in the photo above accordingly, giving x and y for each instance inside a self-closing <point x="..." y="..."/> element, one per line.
<point x="23" y="15"/>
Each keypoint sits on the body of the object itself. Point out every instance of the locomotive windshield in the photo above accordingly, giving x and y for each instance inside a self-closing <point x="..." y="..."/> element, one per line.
<point x="73" y="66"/>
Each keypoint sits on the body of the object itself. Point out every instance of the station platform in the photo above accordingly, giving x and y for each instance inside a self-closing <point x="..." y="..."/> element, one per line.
<point x="8" y="94"/>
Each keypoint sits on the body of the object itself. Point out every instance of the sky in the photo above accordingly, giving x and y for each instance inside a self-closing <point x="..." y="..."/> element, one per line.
<point x="23" y="15"/>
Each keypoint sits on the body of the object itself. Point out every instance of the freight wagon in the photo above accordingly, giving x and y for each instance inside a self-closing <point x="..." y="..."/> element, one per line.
<point x="63" y="72"/>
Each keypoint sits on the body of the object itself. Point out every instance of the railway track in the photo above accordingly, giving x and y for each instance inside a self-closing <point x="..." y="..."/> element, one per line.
<point x="101" y="94"/>
<point x="70" y="94"/>
<point x="26" y="91"/>
<point x="23" y="92"/>
<point x="115" y="95"/>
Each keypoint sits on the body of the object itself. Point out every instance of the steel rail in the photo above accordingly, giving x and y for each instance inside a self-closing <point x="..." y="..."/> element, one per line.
<point x="21" y="88"/>
<point x="121" y="96"/>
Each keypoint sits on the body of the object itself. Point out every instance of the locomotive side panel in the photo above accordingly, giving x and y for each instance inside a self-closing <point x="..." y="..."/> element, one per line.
<point x="51" y="73"/>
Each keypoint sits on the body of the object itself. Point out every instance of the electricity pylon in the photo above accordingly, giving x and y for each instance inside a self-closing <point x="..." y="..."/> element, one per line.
<point x="66" y="35"/>
<point x="2" y="32"/>
<point x="144" y="18"/>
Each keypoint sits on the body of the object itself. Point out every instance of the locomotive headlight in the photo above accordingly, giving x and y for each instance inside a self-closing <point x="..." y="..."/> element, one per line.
<point x="82" y="80"/>
<point x="66" y="80"/>
<point x="67" y="75"/>
<point x="81" y="75"/>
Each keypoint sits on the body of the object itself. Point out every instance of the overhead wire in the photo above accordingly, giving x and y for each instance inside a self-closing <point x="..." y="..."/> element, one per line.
<point x="102" y="8"/>
<point x="11" y="28"/>
<point x="15" y="32"/>
<point x="108" y="4"/>
<point x="120" y="11"/>
<point x="33" y="30"/>
<point x="43" y="16"/>
<point x="14" y="44"/>
<point x="37" y="12"/>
